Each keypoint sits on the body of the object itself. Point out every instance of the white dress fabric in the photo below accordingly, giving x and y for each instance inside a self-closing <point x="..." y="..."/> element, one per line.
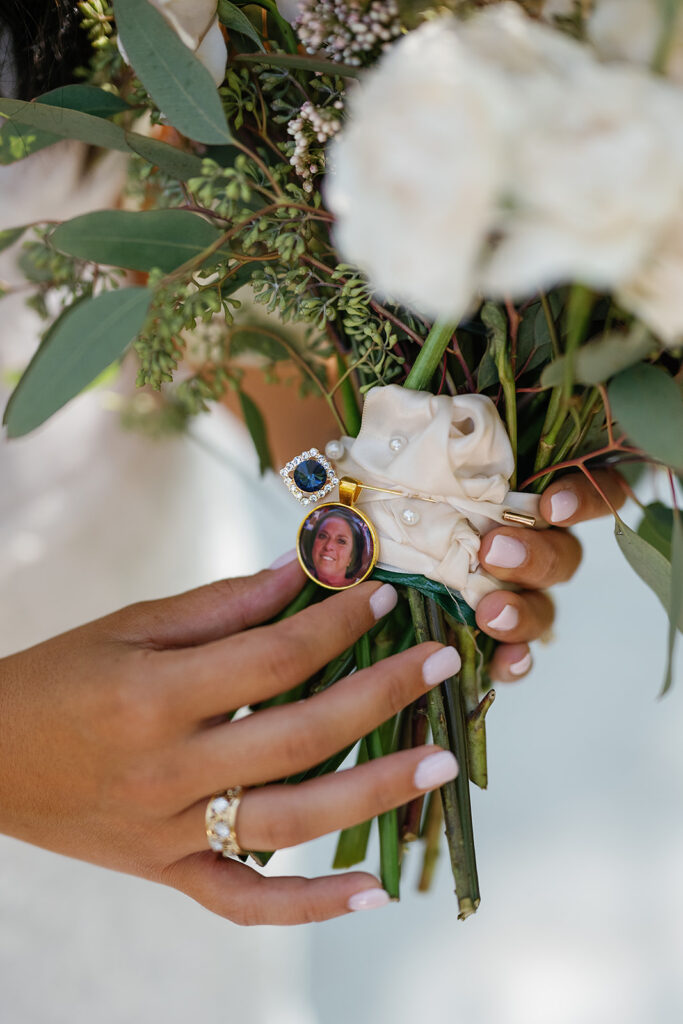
<point x="452" y="449"/>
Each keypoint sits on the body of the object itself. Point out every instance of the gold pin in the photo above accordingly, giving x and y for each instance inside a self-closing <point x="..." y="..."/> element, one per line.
<point x="518" y="517"/>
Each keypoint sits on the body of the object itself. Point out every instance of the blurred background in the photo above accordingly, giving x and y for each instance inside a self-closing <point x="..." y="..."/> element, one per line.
<point x="579" y="838"/>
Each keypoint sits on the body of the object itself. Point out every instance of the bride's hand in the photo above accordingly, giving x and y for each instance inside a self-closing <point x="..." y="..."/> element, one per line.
<point x="114" y="736"/>
<point x="535" y="560"/>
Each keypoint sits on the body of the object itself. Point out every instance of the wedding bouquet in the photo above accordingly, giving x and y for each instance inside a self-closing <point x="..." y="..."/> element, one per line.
<point x="476" y="209"/>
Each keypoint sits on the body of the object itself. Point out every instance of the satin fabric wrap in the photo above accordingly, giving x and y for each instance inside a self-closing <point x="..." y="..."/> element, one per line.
<point x="454" y="449"/>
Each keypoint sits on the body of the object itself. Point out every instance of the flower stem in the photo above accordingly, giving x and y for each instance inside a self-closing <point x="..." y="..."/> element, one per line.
<point x="475" y="709"/>
<point x="387" y="822"/>
<point x="447" y="720"/>
<point x="431" y="354"/>
<point x="431" y="836"/>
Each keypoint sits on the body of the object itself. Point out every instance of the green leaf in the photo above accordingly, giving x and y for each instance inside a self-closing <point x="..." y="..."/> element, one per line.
<point x="599" y="360"/>
<point x="83" y="343"/>
<point x="64" y="123"/>
<point x="533" y="340"/>
<point x="298" y="61"/>
<point x="137" y="241"/>
<point x="257" y="428"/>
<point x="649" y="563"/>
<point x="253" y="338"/>
<point x="676" y="600"/>
<point x="235" y="19"/>
<point x="17" y="141"/>
<point x="169" y="159"/>
<point x="656" y="526"/>
<point x="86" y="98"/>
<point x="176" y="80"/>
<point x="238" y="278"/>
<point x="452" y="601"/>
<point x="648" y="406"/>
<point x="10" y="235"/>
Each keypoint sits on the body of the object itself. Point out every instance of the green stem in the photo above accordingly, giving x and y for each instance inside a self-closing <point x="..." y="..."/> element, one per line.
<point x="430" y="356"/>
<point x="573" y="439"/>
<point x="507" y="380"/>
<point x="474" y="709"/>
<point x="353" y="842"/>
<point x="349" y="404"/>
<point x="431" y="836"/>
<point x="447" y="722"/>
<point x="550" y="322"/>
<point x="387" y="822"/>
<point x="578" y="315"/>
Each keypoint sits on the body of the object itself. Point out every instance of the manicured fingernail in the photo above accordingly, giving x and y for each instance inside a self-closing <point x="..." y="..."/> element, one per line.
<point x="508" y="618"/>
<point x="520" y="667"/>
<point x="506" y="552"/>
<point x="435" y="769"/>
<point x="368" y="899"/>
<point x="441" y="665"/>
<point x="288" y="556"/>
<point x="563" y="505"/>
<point x="383" y="600"/>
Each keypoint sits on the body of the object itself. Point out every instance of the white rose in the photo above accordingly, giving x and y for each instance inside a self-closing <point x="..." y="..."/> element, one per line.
<point x="416" y="171"/>
<point x="630" y="30"/>
<point x="499" y="156"/>
<point x="655" y="294"/>
<point x="592" y="183"/>
<point x="196" y="23"/>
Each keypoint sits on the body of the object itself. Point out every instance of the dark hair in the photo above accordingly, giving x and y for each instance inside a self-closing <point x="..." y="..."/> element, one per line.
<point x="308" y="537"/>
<point x="42" y="44"/>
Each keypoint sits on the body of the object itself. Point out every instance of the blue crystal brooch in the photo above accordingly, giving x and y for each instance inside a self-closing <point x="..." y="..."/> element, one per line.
<point x="309" y="476"/>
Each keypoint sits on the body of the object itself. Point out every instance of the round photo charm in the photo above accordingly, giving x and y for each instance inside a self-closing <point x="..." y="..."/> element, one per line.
<point x="337" y="546"/>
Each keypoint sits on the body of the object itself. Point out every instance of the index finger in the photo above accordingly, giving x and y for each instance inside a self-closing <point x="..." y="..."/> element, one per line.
<point x="573" y="498"/>
<point x="265" y="661"/>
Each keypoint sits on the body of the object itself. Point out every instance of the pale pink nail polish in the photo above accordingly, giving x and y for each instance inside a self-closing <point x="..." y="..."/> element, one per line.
<point x="288" y="556"/>
<point x="563" y="505"/>
<point x="506" y="552"/>
<point x="435" y="769"/>
<point x="522" y="666"/>
<point x="508" y="618"/>
<point x="441" y="665"/>
<point x="383" y="600"/>
<point x="368" y="899"/>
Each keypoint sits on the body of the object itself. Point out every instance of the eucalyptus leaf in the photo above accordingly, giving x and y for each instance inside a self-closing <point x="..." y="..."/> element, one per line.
<point x="238" y="278"/>
<point x="176" y="80"/>
<point x="601" y="359"/>
<point x="169" y="159"/>
<point x="299" y="62"/>
<point x="136" y="241"/>
<point x="676" y="600"/>
<point x="10" y="235"/>
<point x="257" y="428"/>
<point x="656" y="526"/>
<point x="64" y="123"/>
<point x="254" y="338"/>
<point x="18" y="141"/>
<point x="649" y="563"/>
<point x="235" y="19"/>
<point x="83" y="343"/>
<point x="648" y="406"/>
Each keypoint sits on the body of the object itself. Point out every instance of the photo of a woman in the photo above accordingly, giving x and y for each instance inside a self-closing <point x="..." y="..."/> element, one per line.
<point x="336" y="546"/>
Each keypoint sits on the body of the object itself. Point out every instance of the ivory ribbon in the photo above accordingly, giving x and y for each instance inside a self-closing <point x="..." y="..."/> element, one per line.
<point x="454" y="449"/>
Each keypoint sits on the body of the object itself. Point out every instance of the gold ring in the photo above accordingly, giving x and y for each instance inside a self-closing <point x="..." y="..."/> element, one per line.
<point x="221" y="812"/>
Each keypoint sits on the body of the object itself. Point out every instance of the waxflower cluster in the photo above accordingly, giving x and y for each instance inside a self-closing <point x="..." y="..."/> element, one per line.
<point x="311" y="129"/>
<point x="348" y="31"/>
